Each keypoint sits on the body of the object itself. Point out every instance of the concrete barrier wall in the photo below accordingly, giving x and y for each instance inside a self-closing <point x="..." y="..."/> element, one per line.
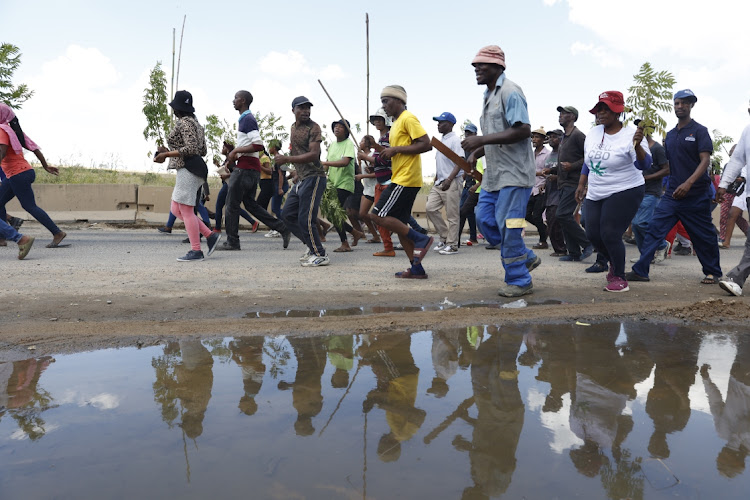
<point x="131" y="203"/>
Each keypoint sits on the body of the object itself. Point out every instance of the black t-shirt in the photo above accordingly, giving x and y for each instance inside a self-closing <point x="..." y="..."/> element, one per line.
<point x="571" y="150"/>
<point x="659" y="157"/>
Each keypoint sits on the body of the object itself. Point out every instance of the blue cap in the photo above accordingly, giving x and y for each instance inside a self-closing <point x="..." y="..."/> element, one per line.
<point x="685" y="94"/>
<point x="445" y="117"/>
<point x="471" y="128"/>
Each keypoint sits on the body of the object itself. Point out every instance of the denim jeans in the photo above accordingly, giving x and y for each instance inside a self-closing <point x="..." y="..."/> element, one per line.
<point x="642" y="218"/>
<point x="19" y="186"/>
<point x="501" y="218"/>
<point x="8" y="233"/>
<point x="277" y="199"/>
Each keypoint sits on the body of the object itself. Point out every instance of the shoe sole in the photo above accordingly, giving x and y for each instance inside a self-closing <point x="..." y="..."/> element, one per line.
<point x="528" y="291"/>
<point x="728" y="289"/>
<point x="213" y="248"/>
<point x="537" y="262"/>
<point x="627" y="288"/>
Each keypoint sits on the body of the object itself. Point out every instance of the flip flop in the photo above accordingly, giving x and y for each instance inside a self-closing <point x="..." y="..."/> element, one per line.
<point x="409" y="275"/>
<point x="709" y="280"/>
<point x="421" y="253"/>
<point x="23" y="249"/>
<point x="57" y="244"/>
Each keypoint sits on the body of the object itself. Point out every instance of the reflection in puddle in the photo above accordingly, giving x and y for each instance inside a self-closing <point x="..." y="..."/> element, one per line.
<point x="607" y="411"/>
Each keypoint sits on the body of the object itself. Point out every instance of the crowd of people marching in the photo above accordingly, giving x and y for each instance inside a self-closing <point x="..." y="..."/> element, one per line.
<point x="585" y="194"/>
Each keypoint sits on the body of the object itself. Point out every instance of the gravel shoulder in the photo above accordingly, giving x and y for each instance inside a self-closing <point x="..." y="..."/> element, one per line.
<point x="116" y="287"/>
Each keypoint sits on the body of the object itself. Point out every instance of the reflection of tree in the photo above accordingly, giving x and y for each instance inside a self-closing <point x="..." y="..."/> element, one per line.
<point x="247" y="352"/>
<point x="184" y="378"/>
<point x="277" y="351"/>
<point x="500" y="416"/>
<point x="397" y="376"/>
<point x="307" y="398"/>
<point x="21" y="396"/>
<point x="732" y="417"/>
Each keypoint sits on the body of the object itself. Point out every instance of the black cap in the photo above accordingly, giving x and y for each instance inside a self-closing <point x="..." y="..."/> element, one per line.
<point x="183" y="101"/>
<point x="298" y="101"/>
<point x="341" y="122"/>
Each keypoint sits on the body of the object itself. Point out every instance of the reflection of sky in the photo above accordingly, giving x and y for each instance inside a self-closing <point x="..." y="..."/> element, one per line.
<point x="102" y="401"/>
<point x="558" y="423"/>
<point x="717" y="350"/>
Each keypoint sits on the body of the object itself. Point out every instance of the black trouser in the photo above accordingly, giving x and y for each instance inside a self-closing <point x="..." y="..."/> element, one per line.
<point x="266" y="192"/>
<point x="555" y="230"/>
<point x="534" y="211"/>
<point x="575" y="236"/>
<point x="300" y="212"/>
<point x="466" y="214"/>
<point x="242" y="185"/>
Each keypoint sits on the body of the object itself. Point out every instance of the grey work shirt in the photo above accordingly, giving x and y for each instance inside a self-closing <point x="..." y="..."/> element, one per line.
<point x="506" y="165"/>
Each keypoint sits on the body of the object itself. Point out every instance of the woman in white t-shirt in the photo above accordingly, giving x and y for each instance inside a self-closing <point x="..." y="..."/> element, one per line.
<point x="614" y="158"/>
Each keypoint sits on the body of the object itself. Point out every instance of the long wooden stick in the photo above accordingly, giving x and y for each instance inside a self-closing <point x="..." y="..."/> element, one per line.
<point x="367" y="33"/>
<point x="179" y="56"/>
<point x="343" y="120"/>
<point x="452" y="156"/>
<point x="171" y="83"/>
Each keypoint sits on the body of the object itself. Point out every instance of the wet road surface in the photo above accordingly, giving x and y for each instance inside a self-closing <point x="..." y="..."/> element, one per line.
<point x="605" y="411"/>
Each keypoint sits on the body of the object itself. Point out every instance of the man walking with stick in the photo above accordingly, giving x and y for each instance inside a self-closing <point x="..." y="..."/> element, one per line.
<point x="509" y="169"/>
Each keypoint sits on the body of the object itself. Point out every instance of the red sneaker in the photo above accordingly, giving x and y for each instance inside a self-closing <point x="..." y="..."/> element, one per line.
<point x="255" y="226"/>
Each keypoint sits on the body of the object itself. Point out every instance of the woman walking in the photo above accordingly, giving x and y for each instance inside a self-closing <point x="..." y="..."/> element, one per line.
<point x="20" y="174"/>
<point x="186" y="141"/>
<point x="614" y="158"/>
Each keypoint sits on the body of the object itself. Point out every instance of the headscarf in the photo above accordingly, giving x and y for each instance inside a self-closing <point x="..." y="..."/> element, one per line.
<point x="9" y="123"/>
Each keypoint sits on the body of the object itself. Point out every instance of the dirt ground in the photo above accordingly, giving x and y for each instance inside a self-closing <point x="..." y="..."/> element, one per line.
<point x="123" y="287"/>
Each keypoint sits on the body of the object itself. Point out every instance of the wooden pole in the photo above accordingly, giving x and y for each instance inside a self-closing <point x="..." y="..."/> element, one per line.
<point x="367" y="34"/>
<point x="179" y="56"/>
<point x="356" y="143"/>
<point x="171" y="83"/>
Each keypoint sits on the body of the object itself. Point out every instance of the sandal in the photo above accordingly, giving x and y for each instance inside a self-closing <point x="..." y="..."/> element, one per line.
<point x="709" y="280"/>
<point x="409" y="275"/>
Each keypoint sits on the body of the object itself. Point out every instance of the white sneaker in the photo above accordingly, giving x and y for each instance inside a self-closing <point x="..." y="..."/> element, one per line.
<point x="449" y="250"/>
<point x="730" y="286"/>
<point x="634" y="260"/>
<point x="305" y="256"/>
<point x="272" y="234"/>
<point x="316" y="261"/>
<point x="661" y="255"/>
<point x="439" y="246"/>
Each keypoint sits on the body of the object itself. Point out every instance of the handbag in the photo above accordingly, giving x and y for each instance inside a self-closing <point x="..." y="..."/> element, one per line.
<point x="737" y="187"/>
<point x="196" y="166"/>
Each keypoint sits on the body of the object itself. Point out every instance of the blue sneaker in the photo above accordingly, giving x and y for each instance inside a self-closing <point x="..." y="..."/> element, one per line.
<point x="587" y="252"/>
<point x="570" y="258"/>
<point x="213" y="242"/>
<point x="192" y="255"/>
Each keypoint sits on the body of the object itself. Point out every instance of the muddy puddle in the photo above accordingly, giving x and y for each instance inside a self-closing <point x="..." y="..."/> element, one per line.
<point x="605" y="411"/>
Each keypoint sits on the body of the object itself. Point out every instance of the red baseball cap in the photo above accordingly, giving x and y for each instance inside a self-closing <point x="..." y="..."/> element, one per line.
<point x="613" y="99"/>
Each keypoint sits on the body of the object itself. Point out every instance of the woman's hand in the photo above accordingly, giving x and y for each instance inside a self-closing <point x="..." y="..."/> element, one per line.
<point x="160" y="157"/>
<point x="52" y="170"/>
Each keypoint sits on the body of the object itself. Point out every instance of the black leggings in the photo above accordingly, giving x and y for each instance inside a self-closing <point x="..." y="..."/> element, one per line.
<point x="343" y="194"/>
<point x="606" y="222"/>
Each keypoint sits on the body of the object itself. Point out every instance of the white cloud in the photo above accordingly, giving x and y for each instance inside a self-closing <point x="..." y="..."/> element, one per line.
<point x="292" y="63"/>
<point x="600" y="54"/>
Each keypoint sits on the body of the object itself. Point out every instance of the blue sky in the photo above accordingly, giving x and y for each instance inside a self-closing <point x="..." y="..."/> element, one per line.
<point x="89" y="61"/>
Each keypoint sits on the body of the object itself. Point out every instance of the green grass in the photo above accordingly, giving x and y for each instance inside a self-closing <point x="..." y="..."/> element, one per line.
<point x="83" y="175"/>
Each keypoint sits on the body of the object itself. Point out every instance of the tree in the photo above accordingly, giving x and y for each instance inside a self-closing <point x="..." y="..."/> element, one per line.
<point x="158" y="118"/>
<point x="217" y="131"/>
<point x="650" y="95"/>
<point x="10" y="59"/>
<point x="270" y="127"/>
<point x="717" y="159"/>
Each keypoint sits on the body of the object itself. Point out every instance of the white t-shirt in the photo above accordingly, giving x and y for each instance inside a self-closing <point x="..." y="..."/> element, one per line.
<point x="610" y="159"/>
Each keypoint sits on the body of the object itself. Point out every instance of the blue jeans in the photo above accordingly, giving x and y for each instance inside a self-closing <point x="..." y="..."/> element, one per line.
<point x="221" y="200"/>
<point x="20" y="186"/>
<point x="200" y="209"/>
<point x="8" y="233"/>
<point x="642" y="218"/>
<point x="501" y="216"/>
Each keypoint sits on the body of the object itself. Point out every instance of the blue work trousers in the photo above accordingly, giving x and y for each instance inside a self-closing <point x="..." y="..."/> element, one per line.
<point x="501" y="217"/>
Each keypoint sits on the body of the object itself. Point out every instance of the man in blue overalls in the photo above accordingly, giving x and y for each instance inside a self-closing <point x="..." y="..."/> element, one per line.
<point x="688" y="195"/>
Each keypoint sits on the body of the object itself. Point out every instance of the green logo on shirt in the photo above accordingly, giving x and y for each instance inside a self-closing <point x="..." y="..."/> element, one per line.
<point x="597" y="169"/>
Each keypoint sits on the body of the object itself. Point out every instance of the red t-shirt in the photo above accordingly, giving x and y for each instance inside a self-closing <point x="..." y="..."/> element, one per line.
<point x="13" y="163"/>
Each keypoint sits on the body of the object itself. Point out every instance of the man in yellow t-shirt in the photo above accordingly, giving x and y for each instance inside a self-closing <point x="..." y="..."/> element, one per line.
<point x="408" y="140"/>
